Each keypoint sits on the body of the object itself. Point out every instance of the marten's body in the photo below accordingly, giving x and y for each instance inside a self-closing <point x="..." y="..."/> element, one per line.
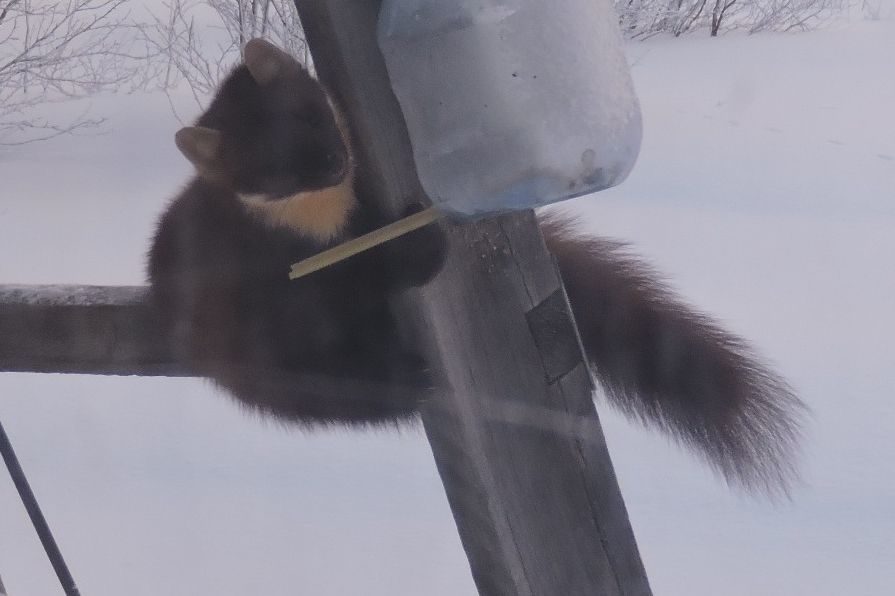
<point x="275" y="185"/>
<point x="220" y="260"/>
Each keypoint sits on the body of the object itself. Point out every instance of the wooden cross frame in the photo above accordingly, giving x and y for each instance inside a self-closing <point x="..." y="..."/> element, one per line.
<point x="517" y="441"/>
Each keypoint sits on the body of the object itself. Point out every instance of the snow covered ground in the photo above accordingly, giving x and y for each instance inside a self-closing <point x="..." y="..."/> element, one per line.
<point x="765" y="191"/>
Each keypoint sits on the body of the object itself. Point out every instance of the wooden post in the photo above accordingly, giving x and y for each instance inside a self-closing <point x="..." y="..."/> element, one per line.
<point x="518" y="443"/>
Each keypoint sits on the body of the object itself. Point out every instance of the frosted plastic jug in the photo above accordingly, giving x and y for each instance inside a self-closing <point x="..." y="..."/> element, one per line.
<point x="511" y="104"/>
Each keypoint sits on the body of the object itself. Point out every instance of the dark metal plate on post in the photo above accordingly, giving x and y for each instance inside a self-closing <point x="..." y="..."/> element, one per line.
<point x="554" y="335"/>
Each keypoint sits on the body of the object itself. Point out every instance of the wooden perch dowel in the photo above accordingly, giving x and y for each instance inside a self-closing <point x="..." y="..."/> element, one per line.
<point x="365" y="242"/>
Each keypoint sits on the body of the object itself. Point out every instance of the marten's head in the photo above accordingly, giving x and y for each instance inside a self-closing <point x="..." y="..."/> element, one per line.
<point x="274" y="138"/>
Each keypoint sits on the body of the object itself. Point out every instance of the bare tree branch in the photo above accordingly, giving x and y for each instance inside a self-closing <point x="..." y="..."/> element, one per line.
<point x="641" y="19"/>
<point x="60" y="51"/>
<point x="230" y="24"/>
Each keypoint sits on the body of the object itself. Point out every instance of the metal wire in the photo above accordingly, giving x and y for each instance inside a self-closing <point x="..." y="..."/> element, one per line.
<point x="37" y="518"/>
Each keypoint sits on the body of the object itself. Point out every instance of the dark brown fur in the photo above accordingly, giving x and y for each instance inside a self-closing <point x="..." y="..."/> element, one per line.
<point x="670" y="366"/>
<point x="321" y="349"/>
<point x="324" y="349"/>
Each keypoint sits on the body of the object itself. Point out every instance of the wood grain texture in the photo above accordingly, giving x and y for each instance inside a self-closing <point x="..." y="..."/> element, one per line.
<point x="82" y="329"/>
<point x="517" y="441"/>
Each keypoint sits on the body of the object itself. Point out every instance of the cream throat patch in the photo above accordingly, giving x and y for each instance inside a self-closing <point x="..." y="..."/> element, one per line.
<point x="318" y="214"/>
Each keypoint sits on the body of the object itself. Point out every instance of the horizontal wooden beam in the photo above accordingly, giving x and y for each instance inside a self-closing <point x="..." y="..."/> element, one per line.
<point x="102" y="330"/>
<point x="111" y="330"/>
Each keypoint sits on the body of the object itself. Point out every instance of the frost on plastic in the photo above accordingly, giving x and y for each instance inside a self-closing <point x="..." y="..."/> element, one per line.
<point x="512" y="103"/>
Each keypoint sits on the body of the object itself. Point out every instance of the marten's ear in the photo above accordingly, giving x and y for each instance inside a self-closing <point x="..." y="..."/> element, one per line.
<point x="200" y="145"/>
<point x="264" y="60"/>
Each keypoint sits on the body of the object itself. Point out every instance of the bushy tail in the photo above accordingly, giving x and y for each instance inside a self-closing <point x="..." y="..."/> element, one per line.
<point x="672" y="367"/>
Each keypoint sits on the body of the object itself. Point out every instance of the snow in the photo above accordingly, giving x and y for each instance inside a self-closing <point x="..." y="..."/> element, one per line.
<point x="765" y="191"/>
<point x="71" y="295"/>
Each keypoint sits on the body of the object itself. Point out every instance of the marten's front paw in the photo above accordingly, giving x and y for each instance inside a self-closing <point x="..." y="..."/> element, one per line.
<point x="421" y="253"/>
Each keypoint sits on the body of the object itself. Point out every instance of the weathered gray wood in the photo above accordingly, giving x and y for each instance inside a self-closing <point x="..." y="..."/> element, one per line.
<point x="110" y="330"/>
<point x="82" y="329"/>
<point x="517" y="442"/>
<point x="107" y="330"/>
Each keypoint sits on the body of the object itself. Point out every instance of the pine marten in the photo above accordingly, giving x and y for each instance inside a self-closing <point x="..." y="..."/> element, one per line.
<point x="275" y="184"/>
